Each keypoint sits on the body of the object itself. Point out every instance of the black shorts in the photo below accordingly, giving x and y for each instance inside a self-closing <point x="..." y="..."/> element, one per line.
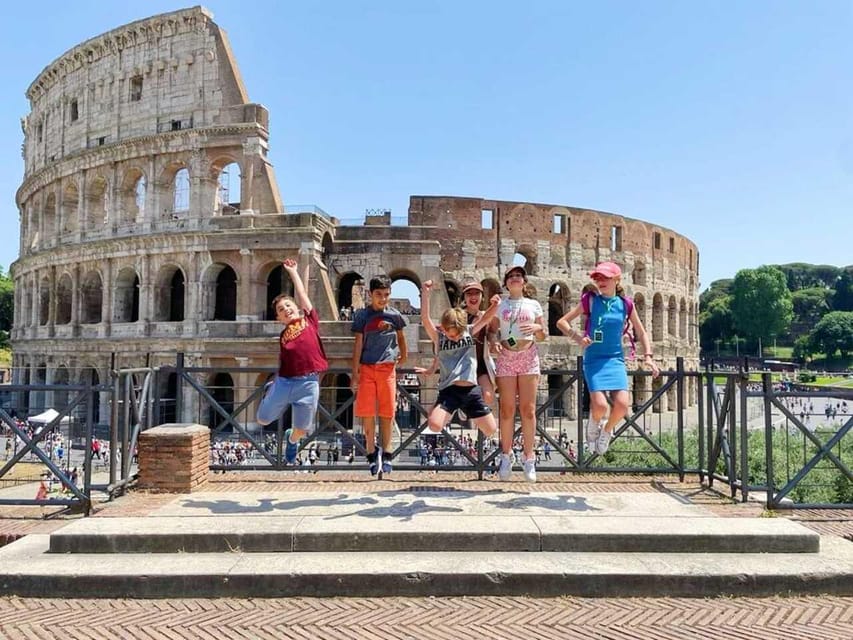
<point x="469" y="399"/>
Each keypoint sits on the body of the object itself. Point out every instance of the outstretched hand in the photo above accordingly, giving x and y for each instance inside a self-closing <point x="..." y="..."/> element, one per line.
<point x="495" y="300"/>
<point x="289" y="265"/>
<point x="426" y="287"/>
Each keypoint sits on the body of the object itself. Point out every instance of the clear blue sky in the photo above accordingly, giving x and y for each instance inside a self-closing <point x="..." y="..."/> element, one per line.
<point x="729" y="122"/>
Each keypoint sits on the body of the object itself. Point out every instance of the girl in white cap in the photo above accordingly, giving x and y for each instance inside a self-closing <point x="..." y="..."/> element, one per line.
<point x="521" y="324"/>
<point x="603" y="358"/>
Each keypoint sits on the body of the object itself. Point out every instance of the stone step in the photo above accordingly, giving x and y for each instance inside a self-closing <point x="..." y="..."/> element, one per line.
<point x="27" y="569"/>
<point x="424" y="532"/>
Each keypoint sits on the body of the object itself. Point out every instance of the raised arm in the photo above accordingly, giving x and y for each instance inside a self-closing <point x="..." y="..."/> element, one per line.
<point x="486" y="319"/>
<point x="299" y="292"/>
<point x="426" y="287"/>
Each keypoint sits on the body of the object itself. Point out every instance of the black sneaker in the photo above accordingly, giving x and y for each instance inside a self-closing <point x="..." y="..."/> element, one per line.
<point x="374" y="467"/>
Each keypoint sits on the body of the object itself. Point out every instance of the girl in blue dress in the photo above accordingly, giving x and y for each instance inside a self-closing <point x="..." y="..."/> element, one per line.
<point x="603" y="358"/>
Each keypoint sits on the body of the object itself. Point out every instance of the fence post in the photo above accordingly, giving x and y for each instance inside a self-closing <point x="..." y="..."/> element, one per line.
<point x="743" y="387"/>
<point x="767" y="387"/>
<point x="581" y="434"/>
<point x="179" y="388"/>
<point x="87" y="456"/>
<point x="679" y="406"/>
<point x="114" y="416"/>
<point x="700" y="424"/>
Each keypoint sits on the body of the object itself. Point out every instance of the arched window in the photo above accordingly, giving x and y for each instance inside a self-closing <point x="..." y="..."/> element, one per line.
<point x="228" y="190"/>
<point x="181" y="199"/>
<point x="225" y="295"/>
<point x="44" y="301"/>
<point x="672" y="317"/>
<point x="176" y="297"/>
<point x="139" y="197"/>
<point x="126" y="299"/>
<point x="278" y="282"/>
<point x="169" y="295"/>
<point x="70" y="199"/>
<point x="63" y="299"/>
<point x="91" y="298"/>
<point x="346" y="299"/>
<point x="657" y="318"/>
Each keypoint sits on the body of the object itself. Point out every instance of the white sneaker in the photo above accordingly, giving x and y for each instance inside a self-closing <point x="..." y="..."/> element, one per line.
<point x="529" y="467"/>
<point x="504" y="466"/>
<point x="593" y="430"/>
<point x="602" y="444"/>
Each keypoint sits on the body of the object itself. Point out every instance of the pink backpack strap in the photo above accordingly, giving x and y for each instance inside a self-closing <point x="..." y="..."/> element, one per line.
<point x="585" y="304"/>
<point x="629" y="330"/>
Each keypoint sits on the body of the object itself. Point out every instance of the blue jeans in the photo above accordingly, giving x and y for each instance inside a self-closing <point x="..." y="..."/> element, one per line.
<point x="301" y="393"/>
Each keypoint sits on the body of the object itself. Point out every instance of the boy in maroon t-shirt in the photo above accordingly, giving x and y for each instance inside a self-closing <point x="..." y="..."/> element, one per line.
<point x="301" y="361"/>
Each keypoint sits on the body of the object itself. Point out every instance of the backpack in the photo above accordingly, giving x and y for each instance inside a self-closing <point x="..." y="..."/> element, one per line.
<point x="627" y="330"/>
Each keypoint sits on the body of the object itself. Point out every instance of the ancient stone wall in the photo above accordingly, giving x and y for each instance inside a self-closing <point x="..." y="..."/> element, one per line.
<point x="151" y="225"/>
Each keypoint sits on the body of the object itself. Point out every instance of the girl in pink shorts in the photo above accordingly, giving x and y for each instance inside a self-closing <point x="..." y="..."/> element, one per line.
<point x="521" y="324"/>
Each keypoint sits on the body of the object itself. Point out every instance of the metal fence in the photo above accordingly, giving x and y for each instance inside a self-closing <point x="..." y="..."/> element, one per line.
<point x="758" y="435"/>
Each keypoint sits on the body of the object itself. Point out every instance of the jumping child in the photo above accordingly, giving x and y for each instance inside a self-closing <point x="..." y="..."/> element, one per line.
<point x="457" y="357"/>
<point x="380" y="346"/>
<point x="301" y="361"/>
<point x="603" y="359"/>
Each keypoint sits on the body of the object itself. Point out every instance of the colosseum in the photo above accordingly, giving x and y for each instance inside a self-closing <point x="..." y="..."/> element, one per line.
<point x="152" y="224"/>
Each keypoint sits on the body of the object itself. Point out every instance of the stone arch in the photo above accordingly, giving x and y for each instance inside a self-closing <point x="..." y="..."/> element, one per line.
<point x="171" y="194"/>
<point x="328" y="248"/>
<point x="491" y="286"/>
<point x="64" y="299"/>
<point x="70" y="206"/>
<point x="672" y="317"/>
<point x="91" y="297"/>
<point x="97" y="202"/>
<point x="559" y="302"/>
<point x="278" y="282"/>
<point x="169" y="294"/>
<point x="133" y="196"/>
<point x="530" y="255"/>
<point x="50" y="214"/>
<point x="221" y="388"/>
<point x="682" y="320"/>
<point x="168" y="391"/>
<point x="228" y="189"/>
<point x="34" y="216"/>
<point x="60" y="396"/>
<point x="350" y="288"/>
<point x="657" y="318"/>
<point x="640" y="307"/>
<point x="639" y="275"/>
<point x="44" y="300"/>
<point x="404" y="275"/>
<point x="126" y="296"/>
<point x="38" y="398"/>
<point x="219" y="292"/>
<point x="454" y="295"/>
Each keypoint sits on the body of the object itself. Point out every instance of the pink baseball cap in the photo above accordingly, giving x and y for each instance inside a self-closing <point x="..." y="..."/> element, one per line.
<point x="607" y="269"/>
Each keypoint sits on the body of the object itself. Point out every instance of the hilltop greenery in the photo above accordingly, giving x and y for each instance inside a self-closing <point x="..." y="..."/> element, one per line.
<point x="803" y="306"/>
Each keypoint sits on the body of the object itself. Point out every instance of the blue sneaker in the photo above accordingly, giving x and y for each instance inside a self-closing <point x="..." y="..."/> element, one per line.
<point x="387" y="467"/>
<point x="290" y="448"/>
<point x="374" y="465"/>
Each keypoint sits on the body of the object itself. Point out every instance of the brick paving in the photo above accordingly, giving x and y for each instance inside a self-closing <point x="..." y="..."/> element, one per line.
<point x="824" y="618"/>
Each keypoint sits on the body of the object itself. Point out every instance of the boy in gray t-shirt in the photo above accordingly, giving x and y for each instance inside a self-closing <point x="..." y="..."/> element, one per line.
<point x="456" y="352"/>
<point x="380" y="346"/>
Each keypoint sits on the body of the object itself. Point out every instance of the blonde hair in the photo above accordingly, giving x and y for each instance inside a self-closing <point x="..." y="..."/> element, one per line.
<point x="454" y="318"/>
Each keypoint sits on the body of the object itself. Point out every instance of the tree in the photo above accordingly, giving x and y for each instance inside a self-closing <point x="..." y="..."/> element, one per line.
<point x="7" y="306"/>
<point x="834" y="333"/>
<point x="715" y="322"/>
<point x="761" y="302"/>
<point x="811" y="304"/>
<point x="843" y="298"/>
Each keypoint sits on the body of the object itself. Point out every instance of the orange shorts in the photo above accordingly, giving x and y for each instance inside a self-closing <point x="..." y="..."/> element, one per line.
<point x="377" y="387"/>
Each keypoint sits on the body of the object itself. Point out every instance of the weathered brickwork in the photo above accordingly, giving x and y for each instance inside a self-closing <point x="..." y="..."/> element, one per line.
<point x="151" y="224"/>
<point x="174" y="458"/>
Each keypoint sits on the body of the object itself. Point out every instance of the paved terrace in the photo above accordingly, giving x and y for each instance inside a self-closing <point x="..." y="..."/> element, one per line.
<point x="389" y="505"/>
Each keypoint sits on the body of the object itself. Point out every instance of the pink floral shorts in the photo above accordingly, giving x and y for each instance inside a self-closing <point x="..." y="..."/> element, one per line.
<point x="517" y="363"/>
